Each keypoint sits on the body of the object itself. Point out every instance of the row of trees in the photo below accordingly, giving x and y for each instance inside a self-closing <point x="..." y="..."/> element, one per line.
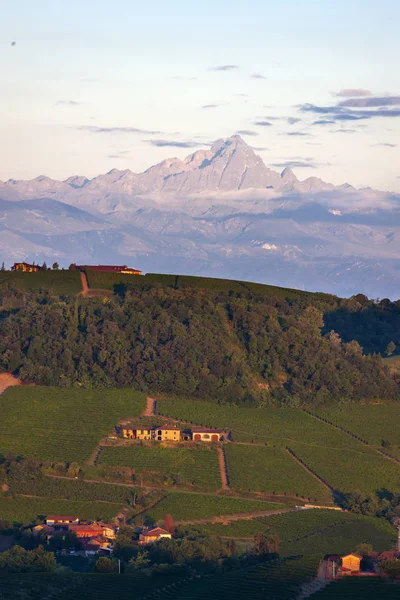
<point x="219" y="346"/>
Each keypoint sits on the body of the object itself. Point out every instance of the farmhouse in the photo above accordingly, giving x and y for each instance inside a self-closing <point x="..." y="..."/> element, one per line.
<point x="167" y="432"/>
<point x="25" y="267"/>
<point x="149" y="536"/>
<point x="123" y="269"/>
<point x="350" y="564"/>
<point x="204" y="434"/>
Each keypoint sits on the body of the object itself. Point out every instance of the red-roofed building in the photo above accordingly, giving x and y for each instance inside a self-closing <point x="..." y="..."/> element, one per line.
<point x="123" y="269"/>
<point x="149" y="536"/>
<point x="61" y="519"/>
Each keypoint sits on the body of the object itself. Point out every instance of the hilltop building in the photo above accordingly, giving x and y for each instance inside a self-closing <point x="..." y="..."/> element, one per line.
<point x="25" y="267"/>
<point x="171" y="433"/>
<point x="149" y="536"/>
<point x="120" y="269"/>
<point x="61" y="519"/>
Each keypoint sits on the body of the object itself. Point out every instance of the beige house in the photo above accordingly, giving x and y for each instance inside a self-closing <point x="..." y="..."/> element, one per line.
<point x="204" y="434"/>
<point x="149" y="536"/>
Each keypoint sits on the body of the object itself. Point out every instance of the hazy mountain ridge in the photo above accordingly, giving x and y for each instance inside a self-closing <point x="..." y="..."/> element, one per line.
<point x="219" y="212"/>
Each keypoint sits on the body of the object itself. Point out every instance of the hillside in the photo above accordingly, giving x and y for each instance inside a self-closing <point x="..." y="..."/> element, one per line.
<point x="209" y="339"/>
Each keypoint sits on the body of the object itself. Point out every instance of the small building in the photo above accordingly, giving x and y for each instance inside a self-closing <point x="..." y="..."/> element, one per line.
<point x="61" y="520"/>
<point x="150" y="536"/>
<point x="25" y="267"/>
<point x="42" y="530"/>
<point x="204" y="434"/>
<point x="351" y="563"/>
<point x="92" y="530"/>
<point x="144" y="434"/>
<point x="123" y="269"/>
<point x="167" y="432"/>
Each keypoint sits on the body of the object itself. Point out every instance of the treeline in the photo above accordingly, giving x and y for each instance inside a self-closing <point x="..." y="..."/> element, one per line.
<point x="225" y="346"/>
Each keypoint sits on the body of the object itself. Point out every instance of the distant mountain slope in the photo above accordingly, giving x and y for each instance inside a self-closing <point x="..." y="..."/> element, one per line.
<point x="220" y="212"/>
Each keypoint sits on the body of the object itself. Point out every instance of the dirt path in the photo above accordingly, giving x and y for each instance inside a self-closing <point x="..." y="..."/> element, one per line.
<point x="306" y="468"/>
<point x="223" y="468"/>
<point x="150" y="409"/>
<point x="7" y="380"/>
<point x="84" y="282"/>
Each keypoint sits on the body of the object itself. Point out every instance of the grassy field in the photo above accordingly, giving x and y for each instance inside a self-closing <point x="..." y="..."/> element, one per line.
<point x="271" y="470"/>
<point x="349" y="470"/>
<point x="194" y="466"/>
<point x="62" y="424"/>
<point x="359" y="588"/>
<point x="375" y="423"/>
<point x="74" y="489"/>
<point x="101" y="280"/>
<point x="312" y="531"/>
<point x="187" y="506"/>
<point x="29" y="510"/>
<point x="275" y="426"/>
<point x="64" y="283"/>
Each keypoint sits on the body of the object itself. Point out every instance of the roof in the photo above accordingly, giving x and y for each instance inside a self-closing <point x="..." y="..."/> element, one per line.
<point x="62" y="518"/>
<point x="82" y="527"/>
<point x="352" y="554"/>
<point x="168" y="428"/>
<point x="206" y="430"/>
<point x="112" y="268"/>
<point x="155" y="532"/>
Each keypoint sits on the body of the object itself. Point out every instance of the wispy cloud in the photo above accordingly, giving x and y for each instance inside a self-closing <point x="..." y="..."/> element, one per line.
<point x="262" y="123"/>
<point x="343" y="130"/>
<point x="67" y="103"/>
<point x="342" y="112"/>
<point x="373" y="102"/>
<point x="247" y="132"/>
<point x="172" y="143"/>
<point x="257" y="76"/>
<point x="224" y="68"/>
<point x="384" y="145"/>
<point x="352" y="93"/>
<point x="297" y="134"/>
<point x="293" y="120"/>
<point x="324" y="122"/>
<point x="260" y="148"/>
<point x="95" y="129"/>
<point x="294" y="164"/>
<point x="117" y="156"/>
<point x="207" y="106"/>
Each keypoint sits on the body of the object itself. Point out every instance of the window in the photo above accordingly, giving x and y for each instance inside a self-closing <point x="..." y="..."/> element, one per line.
<point x="206" y="436"/>
<point x="159" y="432"/>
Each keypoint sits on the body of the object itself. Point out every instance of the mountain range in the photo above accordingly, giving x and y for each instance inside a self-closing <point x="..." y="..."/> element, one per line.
<point x="220" y="212"/>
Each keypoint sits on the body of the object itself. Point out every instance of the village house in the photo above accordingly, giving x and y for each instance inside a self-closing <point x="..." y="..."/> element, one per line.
<point x="350" y="564"/>
<point x="150" y="536"/>
<point x="25" y="267"/>
<point x="204" y="434"/>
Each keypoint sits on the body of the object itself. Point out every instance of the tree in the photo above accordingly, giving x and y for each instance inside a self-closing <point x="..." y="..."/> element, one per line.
<point x="390" y="348"/>
<point x="55" y="266"/>
<point x="2" y="266"/>
<point x="139" y="562"/>
<point x="364" y="549"/>
<point x="265" y="544"/>
<point x="105" y="565"/>
<point x="44" y="266"/>
<point x="390" y="567"/>
<point x="169" y="523"/>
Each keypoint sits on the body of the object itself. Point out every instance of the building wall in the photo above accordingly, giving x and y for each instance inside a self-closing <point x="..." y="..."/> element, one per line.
<point x="351" y="562"/>
<point x="206" y="437"/>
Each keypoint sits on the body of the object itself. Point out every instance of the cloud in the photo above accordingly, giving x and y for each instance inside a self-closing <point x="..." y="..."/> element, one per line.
<point x="339" y="112"/>
<point x="297" y="134"/>
<point x="172" y="143"/>
<point x="293" y="120"/>
<point x="259" y="148"/>
<point x="263" y="124"/>
<point x="95" y="129"/>
<point x="294" y="164"/>
<point x="324" y="122"/>
<point x="224" y="68"/>
<point x="207" y="106"/>
<point x="258" y="76"/>
<point x="374" y="102"/>
<point x="117" y="156"/>
<point x="247" y="132"/>
<point x="345" y="131"/>
<point x="183" y="78"/>
<point x="353" y="92"/>
<point x="67" y="103"/>
<point x="384" y="145"/>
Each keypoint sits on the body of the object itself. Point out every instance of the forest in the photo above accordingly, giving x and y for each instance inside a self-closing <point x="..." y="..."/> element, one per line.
<point x="228" y="346"/>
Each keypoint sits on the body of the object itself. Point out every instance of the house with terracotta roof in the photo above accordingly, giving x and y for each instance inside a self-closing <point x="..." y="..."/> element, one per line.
<point x="350" y="564"/>
<point x="167" y="432"/>
<point x="25" y="267"/>
<point x="150" y="536"/>
<point x="92" y="530"/>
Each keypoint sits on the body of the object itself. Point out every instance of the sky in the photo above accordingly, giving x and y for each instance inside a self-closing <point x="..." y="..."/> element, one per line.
<point x="92" y="85"/>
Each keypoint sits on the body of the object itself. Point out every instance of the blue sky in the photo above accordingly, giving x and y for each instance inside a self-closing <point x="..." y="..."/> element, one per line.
<point x="92" y="85"/>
